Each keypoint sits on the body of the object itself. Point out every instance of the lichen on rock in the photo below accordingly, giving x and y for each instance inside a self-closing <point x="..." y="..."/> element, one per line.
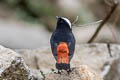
<point x="12" y="66"/>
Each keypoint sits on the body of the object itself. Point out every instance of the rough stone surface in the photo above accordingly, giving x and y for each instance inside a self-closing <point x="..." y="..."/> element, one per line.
<point x="96" y="56"/>
<point x="78" y="73"/>
<point x="93" y="55"/>
<point x="114" y="72"/>
<point x="37" y="74"/>
<point x="102" y="58"/>
<point x="12" y="66"/>
<point x="38" y="59"/>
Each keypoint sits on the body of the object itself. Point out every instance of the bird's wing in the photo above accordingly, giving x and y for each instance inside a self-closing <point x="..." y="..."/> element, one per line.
<point x="71" y="46"/>
<point x="71" y="50"/>
<point x="53" y="48"/>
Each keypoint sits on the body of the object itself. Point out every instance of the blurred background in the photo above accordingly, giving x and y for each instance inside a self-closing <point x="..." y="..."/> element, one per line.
<point x="29" y="23"/>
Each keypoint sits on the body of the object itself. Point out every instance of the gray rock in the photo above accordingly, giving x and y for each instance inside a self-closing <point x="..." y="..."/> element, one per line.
<point x="77" y="73"/>
<point x="114" y="72"/>
<point x="99" y="57"/>
<point x="38" y="58"/>
<point x="12" y="66"/>
<point x="37" y="74"/>
<point x="96" y="56"/>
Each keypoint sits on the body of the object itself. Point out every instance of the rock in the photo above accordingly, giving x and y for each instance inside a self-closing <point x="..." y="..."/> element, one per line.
<point x="38" y="59"/>
<point x="114" y="72"/>
<point x="115" y="50"/>
<point x="37" y="74"/>
<point x="91" y="55"/>
<point x="12" y="66"/>
<point x="77" y="73"/>
<point x="102" y="58"/>
<point x="99" y="57"/>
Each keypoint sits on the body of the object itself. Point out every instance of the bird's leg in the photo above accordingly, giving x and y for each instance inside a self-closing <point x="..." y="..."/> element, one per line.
<point x="59" y="71"/>
<point x="69" y="70"/>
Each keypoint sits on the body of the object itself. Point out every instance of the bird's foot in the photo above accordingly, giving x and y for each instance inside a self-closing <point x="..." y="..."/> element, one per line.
<point x="69" y="70"/>
<point x="59" y="71"/>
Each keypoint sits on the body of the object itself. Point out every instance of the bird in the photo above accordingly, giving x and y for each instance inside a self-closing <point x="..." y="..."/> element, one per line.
<point x="62" y="44"/>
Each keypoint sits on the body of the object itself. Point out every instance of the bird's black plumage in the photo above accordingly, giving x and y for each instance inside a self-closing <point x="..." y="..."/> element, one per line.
<point x="63" y="33"/>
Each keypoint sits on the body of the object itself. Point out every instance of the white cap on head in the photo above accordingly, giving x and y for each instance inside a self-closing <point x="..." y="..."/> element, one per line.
<point x="68" y="21"/>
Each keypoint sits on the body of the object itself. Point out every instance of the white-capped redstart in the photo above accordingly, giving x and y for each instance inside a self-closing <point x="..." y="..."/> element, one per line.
<point x="63" y="43"/>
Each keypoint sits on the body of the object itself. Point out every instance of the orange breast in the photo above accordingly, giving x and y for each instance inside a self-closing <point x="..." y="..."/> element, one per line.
<point x="62" y="53"/>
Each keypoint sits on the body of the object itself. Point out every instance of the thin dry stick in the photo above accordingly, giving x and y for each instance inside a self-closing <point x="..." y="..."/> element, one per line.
<point x="75" y="20"/>
<point x="92" y="23"/>
<point x="104" y="21"/>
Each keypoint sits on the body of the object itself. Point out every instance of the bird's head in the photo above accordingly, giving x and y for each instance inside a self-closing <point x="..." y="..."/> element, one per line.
<point x="63" y="23"/>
